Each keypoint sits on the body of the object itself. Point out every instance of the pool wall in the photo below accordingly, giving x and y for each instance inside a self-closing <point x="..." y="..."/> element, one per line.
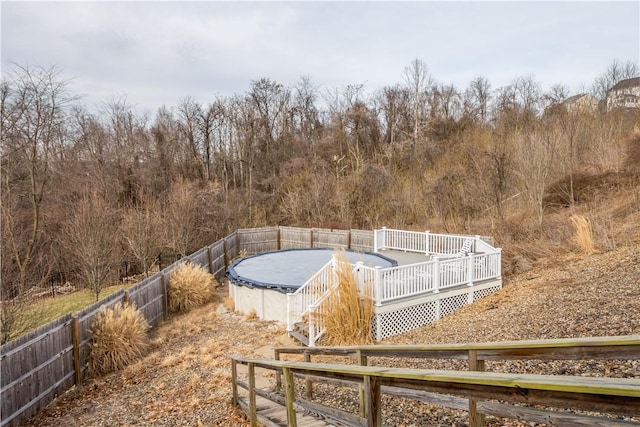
<point x="268" y="304"/>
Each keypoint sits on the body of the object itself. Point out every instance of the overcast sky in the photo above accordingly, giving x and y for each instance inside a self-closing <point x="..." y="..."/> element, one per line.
<point x="157" y="53"/>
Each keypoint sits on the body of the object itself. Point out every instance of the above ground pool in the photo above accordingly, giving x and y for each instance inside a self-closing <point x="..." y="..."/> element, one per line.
<point x="289" y="269"/>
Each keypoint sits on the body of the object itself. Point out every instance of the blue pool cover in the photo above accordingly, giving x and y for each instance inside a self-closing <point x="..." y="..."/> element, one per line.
<point x="288" y="269"/>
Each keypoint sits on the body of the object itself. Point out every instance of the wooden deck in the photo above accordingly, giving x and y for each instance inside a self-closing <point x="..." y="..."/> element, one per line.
<point x="405" y="258"/>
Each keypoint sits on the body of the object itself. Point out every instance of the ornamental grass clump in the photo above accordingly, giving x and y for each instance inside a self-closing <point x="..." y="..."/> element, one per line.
<point x="119" y="337"/>
<point x="583" y="236"/>
<point x="190" y="286"/>
<point x="347" y="312"/>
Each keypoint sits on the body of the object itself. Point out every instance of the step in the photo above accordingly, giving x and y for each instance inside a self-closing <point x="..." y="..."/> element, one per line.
<point x="300" y="337"/>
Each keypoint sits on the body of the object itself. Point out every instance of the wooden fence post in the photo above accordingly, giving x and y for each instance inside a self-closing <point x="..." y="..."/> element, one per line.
<point x="234" y="383"/>
<point x="289" y="397"/>
<point x="349" y="239"/>
<point x="311" y="238"/>
<point x="362" y="360"/>
<point x="125" y="298"/>
<point x="372" y="399"/>
<point x="475" y="419"/>
<point x="278" y="244"/>
<point x="75" y="336"/>
<point x="225" y="255"/>
<point x="253" y="414"/>
<point x="165" y="297"/>
<point x="276" y="356"/>
<point x="308" y="383"/>
<point x="210" y="259"/>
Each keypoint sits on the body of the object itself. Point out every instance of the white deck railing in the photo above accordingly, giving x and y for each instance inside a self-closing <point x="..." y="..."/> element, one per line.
<point x="451" y="266"/>
<point x="427" y="242"/>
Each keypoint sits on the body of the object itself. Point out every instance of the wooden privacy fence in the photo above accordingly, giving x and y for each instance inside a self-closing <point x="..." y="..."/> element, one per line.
<point x="499" y="394"/>
<point x="255" y="240"/>
<point x="46" y="362"/>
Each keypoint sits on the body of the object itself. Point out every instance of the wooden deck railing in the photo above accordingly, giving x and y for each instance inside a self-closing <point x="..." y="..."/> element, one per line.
<point x="473" y="390"/>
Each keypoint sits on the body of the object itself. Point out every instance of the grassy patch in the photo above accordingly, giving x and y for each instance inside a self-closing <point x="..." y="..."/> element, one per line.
<point x="44" y="310"/>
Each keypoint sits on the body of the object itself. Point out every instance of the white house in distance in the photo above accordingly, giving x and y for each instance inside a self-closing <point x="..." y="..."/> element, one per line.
<point x="625" y="94"/>
<point x="581" y="103"/>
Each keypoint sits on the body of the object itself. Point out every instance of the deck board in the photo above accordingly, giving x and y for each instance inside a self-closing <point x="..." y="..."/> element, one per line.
<point x="272" y="414"/>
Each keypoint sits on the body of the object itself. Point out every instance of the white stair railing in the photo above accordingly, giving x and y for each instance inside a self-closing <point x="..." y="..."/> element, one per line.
<point x="308" y="294"/>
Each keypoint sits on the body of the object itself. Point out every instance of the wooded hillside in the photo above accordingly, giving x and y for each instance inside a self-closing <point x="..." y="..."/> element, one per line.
<point x="85" y="191"/>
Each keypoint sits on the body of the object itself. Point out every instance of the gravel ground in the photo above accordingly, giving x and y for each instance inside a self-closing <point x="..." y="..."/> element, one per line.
<point x="185" y="379"/>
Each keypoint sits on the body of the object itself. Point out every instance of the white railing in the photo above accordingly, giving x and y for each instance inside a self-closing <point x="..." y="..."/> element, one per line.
<point x="401" y="240"/>
<point x="400" y="282"/>
<point x="308" y="294"/>
<point x="427" y="242"/>
<point x="448" y="268"/>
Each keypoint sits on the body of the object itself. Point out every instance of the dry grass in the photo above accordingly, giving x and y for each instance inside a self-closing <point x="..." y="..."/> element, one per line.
<point x="190" y="286"/>
<point x="119" y="338"/>
<point x="252" y="315"/>
<point x="347" y="312"/>
<point x="583" y="236"/>
<point x="228" y="303"/>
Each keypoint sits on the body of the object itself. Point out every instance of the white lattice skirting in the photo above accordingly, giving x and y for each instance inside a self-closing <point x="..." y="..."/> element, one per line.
<point x="402" y="316"/>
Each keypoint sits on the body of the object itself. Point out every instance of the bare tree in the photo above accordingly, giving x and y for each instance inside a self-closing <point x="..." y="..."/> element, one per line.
<point x="128" y="145"/>
<point x="418" y="80"/>
<point x="34" y="107"/>
<point x="528" y="94"/>
<point x="306" y="117"/>
<point x="615" y="72"/>
<point x="165" y="163"/>
<point x="90" y="238"/>
<point x="271" y="101"/>
<point x="190" y="114"/>
<point x="536" y="161"/>
<point x="181" y="217"/>
<point x="480" y="92"/>
<point x="394" y="109"/>
<point x="142" y="230"/>
<point x="446" y="102"/>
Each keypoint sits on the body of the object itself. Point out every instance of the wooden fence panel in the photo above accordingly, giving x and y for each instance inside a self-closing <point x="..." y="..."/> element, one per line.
<point x="295" y="238"/>
<point x="255" y="240"/>
<point x="218" y="263"/>
<point x="332" y="239"/>
<point x="232" y="246"/>
<point x="148" y="298"/>
<point x="362" y="240"/>
<point x="35" y="368"/>
<point x="200" y="258"/>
